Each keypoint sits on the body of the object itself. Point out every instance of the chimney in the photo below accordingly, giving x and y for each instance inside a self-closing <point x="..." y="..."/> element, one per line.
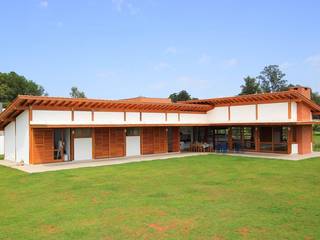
<point x="305" y="91"/>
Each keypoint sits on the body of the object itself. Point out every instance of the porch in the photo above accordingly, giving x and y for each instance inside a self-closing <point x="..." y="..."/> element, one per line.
<point x="123" y="160"/>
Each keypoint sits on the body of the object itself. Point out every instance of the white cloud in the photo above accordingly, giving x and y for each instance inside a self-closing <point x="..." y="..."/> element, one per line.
<point x="204" y="59"/>
<point x="285" y="65"/>
<point x="231" y="62"/>
<point x="314" y="61"/>
<point x="171" y="50"/>
<point x="161" y="66"/>
<point x="125" y="5"/>
<point x="44" y="3"/>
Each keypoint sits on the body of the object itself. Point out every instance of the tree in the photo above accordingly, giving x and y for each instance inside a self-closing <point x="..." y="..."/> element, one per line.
<point x="76" y="93"/>
<point x="251" y="86"/>
<point x="272" y="79"/>
<point x="12" y="85"/>
<point x="316" y="97"/>
<point x="181" y="96"/>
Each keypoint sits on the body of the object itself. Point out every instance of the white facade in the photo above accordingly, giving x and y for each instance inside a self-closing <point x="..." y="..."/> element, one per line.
<point x="133" y="146"/>
<point x="10" y="141"/>
<point x="267" y="112"/>
<point x="82" y="149"/>
<point x="16" y="133"/>
<point x="273" y="112"/>
<point x="1" y="142"/>
<point x="22" y="137"/>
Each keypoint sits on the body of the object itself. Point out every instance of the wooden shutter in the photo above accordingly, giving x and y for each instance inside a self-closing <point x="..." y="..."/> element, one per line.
<point x="175" y="139"/>
<point x="147" y="140"/>
<point x="101" y="141"/>
<point x="117" y="142"/>
<point x="160" y="140"/>
<point x="42" y="148"/>
<point x="154" y="140"/>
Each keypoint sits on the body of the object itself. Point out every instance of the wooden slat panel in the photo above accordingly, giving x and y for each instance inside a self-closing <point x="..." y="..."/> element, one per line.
<point x="175" y="139"/>
<point x="154" y="140"/>
<point x="101" y="142"/>
<point x="147" y="141"/>
<point x="42" y="146"/>
<point x="117" y="142"/>
<point x="160" y="140"/>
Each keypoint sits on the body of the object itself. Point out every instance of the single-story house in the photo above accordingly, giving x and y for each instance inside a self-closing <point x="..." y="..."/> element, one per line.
<point x="51" y="129"/>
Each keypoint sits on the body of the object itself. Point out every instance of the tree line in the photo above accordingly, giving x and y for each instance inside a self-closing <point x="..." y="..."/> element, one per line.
<point x="270" y="79"/>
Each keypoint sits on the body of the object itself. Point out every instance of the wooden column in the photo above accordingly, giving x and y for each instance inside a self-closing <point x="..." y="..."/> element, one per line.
<point x="93" y="135"/>
<point x="289" y="142"/>
<point x="230" y="138"/>
<point x="257" y="139"/>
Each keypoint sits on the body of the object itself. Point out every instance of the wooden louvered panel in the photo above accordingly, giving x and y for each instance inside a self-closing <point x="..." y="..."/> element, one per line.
<point x="117" y="142"/>
<point x="42" y="146"/>
<point x="147" y="140"/>
<point x="175" y="139"/>
<point x="101" y="142"/>
<point x="154" y="140"/>
<point x="160" y="140"/>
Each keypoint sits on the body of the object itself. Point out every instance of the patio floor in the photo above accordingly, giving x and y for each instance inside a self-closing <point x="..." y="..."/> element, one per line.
<point x="122" y="160"/>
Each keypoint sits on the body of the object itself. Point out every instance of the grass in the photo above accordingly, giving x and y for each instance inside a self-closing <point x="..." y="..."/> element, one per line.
<point x="1" y="156"/>
<point x="316" y="143"/>
<point x="204" y="197"/>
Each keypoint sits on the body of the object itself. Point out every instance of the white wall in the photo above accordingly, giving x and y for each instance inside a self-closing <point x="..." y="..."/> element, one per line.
<point x="273" y="112"/>
<point x="10" y="142"/>
<point x="190" y="118"/>
<point x="133" y="146"/>
<point x="218" y="114"/>
<point x="1" y="142"/>
<point x="51" y="117"/>
<point x="132" y="117"/>
<point x="22" y="137"/>
<point x="269" y="112"/>
<point x="82" y="149"/>
<point x="82" y="116"/>
<point x="153" y="118"/>
<point x="109" y="117"/>
<point x="294" y="148"/>
<point x="172" y="117"/>
<point x="294" y="111"/>
<point x="243" y="113"/>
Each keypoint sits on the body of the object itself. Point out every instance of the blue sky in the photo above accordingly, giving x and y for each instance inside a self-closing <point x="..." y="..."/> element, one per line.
<point x="125" y="48"/>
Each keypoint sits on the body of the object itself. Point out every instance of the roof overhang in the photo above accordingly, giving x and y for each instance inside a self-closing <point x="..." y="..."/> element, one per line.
<point x="23" y="102"/>
<point x="259" y="98"/>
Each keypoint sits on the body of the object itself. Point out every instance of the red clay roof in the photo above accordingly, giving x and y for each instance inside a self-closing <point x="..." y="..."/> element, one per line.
<point x="148" y="99"/>
<point x="259" y="98"/>
<point x="23" y="102"/>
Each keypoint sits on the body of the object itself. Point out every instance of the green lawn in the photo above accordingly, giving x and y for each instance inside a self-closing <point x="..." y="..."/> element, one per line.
<point x="1" y="157"/>
<point x="316" y="143"/>
<point x="204" y="197"/>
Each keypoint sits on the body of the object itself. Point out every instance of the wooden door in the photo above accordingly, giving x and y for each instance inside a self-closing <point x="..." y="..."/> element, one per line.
<point x="101" y="142"/>
<point x="160" y="140"/>
<point x="43" y="147"/>
<point x="117" y="142"/>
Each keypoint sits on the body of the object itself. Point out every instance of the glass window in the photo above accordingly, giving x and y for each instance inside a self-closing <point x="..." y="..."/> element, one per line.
<point x="266" y="134"/>
<point x="133" y="132"/>
<point x="294" y="134"/>
<point x="82" y="133"/>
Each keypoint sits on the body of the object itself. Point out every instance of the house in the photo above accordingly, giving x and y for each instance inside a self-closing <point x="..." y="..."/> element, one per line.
<point x="52" y="129"/>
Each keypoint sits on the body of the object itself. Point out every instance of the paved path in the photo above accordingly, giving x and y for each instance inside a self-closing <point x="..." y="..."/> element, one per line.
<point x="114" y="161"/>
